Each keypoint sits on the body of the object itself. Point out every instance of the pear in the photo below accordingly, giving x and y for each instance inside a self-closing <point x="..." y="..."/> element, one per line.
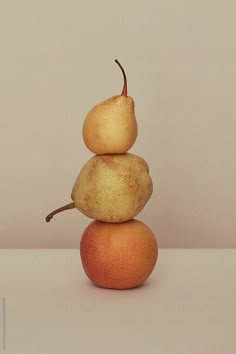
<point x="111" y="188"/>
<point x="111" y="127"/>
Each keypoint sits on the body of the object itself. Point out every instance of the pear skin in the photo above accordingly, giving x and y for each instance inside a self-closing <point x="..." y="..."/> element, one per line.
<point x="111" y="126"/>
<point x="112" y="188"/>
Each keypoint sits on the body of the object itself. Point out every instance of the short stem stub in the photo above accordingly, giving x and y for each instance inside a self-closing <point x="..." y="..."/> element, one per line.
<point x="124" y="91"/>
<point x="65" y="207"/>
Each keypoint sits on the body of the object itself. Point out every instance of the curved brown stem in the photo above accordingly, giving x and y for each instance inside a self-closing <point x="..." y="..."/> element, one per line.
<point x="65" y="207"/>
<point x="124" y="91"/>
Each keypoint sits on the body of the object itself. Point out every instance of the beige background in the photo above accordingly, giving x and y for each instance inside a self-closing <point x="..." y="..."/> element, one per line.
<point x="187" y="306"/>
<point x="57" y="61"/>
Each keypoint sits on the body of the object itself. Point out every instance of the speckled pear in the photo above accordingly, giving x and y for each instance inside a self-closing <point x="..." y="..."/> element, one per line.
<point x="111" y="126"/>
<point x="111" y="188"/>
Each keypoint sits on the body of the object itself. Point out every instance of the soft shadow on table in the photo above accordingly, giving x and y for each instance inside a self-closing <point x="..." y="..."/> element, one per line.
<point x="91" y="285"/>
<point x="151" y="285"/>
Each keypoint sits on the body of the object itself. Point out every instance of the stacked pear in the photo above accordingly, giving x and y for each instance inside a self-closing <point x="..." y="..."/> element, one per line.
<point x="114" y="185"/>
<point x="111" y="127"/>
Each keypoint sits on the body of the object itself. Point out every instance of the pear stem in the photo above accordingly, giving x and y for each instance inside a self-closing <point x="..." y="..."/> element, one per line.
<point x="124" y="91"/>
<point x="65" y="207"/>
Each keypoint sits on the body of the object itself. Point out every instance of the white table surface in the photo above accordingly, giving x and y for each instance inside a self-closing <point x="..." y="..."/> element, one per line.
<point x="188" y="305"/>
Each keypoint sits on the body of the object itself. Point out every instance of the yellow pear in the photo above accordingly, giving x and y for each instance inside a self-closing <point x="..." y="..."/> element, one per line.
<point x="111" y="127"/>
<point x="111" y="188"/>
